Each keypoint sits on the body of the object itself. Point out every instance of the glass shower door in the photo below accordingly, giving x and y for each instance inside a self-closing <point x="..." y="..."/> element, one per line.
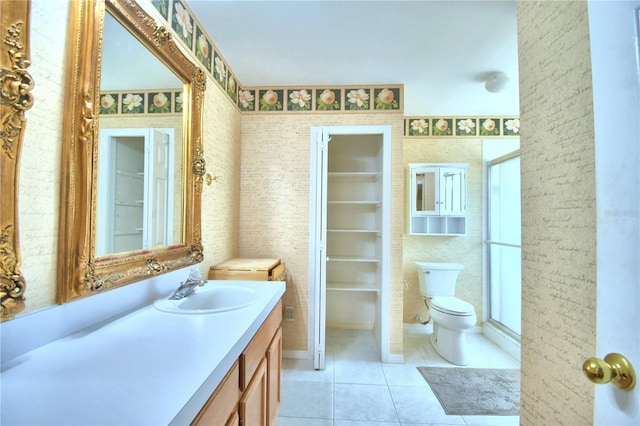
<point x="504" y="247"/>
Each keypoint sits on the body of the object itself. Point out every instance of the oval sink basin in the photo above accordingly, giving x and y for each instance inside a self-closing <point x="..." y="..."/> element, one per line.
<point x="209" y="300"/>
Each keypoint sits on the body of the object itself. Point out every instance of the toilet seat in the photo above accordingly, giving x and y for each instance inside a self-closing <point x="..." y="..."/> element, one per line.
<point x="452" y="306"/>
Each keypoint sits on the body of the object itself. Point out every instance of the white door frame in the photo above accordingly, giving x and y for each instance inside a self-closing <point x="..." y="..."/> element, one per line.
<point x="316" y="290"/>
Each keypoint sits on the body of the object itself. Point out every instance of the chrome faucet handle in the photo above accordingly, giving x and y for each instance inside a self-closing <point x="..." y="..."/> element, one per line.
<point x="186" y="288"/>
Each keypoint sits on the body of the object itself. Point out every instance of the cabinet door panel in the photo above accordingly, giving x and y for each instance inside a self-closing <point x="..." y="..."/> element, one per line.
<point x="274" y="372"/>
<point x="253" y="405"/>
<point x="452" y="191"/>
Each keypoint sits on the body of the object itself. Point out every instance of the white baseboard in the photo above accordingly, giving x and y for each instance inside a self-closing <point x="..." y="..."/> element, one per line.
<point x="290" y="354"/>
<point x="394" y="359"/>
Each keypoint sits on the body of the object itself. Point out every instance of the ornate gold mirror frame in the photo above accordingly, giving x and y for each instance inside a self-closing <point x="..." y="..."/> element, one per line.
<point x="80" y="272"/>
<point x="15" y="99"/>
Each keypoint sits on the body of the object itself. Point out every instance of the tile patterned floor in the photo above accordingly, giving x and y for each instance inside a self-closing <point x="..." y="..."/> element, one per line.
<point x="356" y="389"/>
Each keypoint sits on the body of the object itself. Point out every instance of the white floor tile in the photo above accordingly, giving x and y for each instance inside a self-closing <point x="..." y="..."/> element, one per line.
<point x="307" y="399"/>
<point x="364" y="402"/>
<point x="354" y="371"/>
<point x="302" y="370"/>
<point x="356" y="389"/>
<point x="403" y="375"/>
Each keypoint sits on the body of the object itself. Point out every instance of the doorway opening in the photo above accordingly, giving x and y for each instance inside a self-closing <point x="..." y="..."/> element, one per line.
<point x="349" y="233"/>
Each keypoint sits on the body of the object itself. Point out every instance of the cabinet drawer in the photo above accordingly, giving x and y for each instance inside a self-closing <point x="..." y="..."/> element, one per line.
<point x="220" y="407"/>
<point x="256" y="349"/>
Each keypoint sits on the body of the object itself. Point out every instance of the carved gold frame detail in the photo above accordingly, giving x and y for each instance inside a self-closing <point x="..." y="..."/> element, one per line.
<point x="80" y="272"/>
<point x="15" y="100"/>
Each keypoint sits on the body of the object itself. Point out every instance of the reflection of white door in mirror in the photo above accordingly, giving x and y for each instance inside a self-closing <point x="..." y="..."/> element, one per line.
<point x="135" y="193"/>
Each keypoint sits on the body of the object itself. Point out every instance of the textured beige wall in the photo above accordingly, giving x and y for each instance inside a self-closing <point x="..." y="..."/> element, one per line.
<point x="39" y="180"/>
<point x="558" y="212"/>
<point x="274" y="207"/>
<point x="466" y="250"/>
<point x="221" y="123"/>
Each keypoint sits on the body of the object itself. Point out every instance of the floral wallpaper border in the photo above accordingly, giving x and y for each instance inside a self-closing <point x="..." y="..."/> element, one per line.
<point x="461" y="127"/>
<point x="320" y="98"/>
<point x="158" y="101"/>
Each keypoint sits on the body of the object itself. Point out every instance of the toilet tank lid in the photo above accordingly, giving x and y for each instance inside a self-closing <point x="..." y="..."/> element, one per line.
<point x="439" y="265"/>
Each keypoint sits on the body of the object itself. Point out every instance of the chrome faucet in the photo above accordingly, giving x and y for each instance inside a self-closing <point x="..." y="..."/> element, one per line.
<point x="188" y="287"/>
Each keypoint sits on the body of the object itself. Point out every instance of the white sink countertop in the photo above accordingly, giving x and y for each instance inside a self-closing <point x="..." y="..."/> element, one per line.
<point x="144" y="368"/>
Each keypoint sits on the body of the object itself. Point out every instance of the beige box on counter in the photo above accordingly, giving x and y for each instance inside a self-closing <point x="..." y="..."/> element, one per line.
<point x="248" y="269"/>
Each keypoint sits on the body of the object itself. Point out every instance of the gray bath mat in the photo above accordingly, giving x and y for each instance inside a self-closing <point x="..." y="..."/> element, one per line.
<point x="475" y="391"/>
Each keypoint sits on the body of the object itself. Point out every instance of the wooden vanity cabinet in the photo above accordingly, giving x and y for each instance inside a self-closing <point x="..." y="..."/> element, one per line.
<point x="249" y="394"/>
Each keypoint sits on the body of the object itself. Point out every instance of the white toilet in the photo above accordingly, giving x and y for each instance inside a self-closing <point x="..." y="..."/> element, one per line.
<point x="451" y="316"/>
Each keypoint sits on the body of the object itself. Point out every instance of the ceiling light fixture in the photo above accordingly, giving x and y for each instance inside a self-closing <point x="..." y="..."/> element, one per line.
<point x="496" y="82"/>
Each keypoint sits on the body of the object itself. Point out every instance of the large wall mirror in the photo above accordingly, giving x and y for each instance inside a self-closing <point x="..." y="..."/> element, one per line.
<point x="15" y="100"/>
<point x="132" y="185"/>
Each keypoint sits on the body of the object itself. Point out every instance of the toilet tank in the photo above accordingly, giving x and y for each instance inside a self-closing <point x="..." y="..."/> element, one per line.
<point x="438" y="279"/>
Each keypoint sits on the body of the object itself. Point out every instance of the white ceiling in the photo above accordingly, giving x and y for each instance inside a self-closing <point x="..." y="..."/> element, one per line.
<point x="440" y="50"/>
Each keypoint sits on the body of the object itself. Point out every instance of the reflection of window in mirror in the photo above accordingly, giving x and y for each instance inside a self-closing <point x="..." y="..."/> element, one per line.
<point x="139" y="193"/>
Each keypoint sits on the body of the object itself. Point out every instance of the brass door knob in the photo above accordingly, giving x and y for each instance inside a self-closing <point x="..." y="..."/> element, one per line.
<point x="614" y="368"/>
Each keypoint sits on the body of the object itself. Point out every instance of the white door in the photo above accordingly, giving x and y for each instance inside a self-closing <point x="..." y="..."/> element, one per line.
<point x="160" y="200"/>
<point x="320" y="140"/>
<point x="616" y="88"/>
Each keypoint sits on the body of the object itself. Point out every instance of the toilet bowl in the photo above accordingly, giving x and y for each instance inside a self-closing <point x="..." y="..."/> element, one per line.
<point x="451" y="317"/>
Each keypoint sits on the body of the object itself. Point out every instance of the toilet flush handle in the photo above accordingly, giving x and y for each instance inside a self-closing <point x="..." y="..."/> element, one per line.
<point x="614" y="368"/>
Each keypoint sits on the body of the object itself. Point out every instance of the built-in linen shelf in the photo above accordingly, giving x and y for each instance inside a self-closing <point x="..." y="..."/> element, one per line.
<point x="355" y="231"/>
<point x="129" y="173"/>
<point x="370" y="176"/>
<point x="353" y="259"/>
<point x="352" y="202"/>
<point x="125" y="234"/>
<point x="136" y="203"/>
<point x="354" y="287"/>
